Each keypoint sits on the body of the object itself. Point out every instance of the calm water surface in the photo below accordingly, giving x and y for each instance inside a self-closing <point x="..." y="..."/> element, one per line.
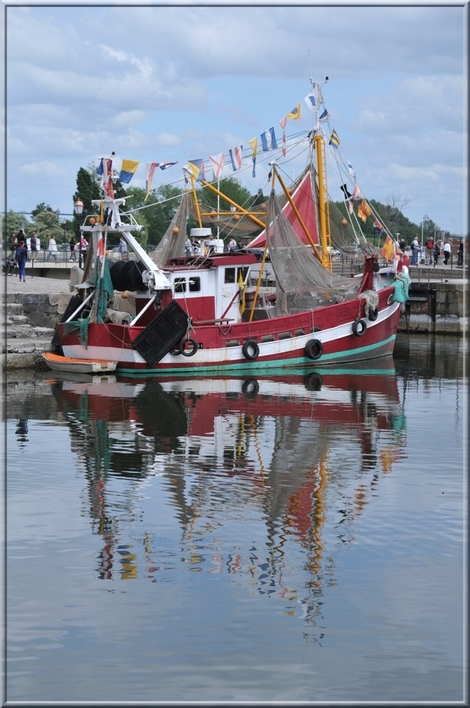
<point x="298" y="538"/>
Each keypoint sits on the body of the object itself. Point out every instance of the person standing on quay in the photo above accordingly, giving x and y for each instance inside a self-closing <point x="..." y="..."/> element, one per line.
<point x="447" y="252"/>
<point x="460" y="254"/>
<point x="429" y="249"/>
<point x="33" y="244"/>
<point x="414" y="251"/>
<point x="73" y="253"/>
<point x="52" y="248"/>
<point x="21" y="256"/>
<point x="437" y="251"/>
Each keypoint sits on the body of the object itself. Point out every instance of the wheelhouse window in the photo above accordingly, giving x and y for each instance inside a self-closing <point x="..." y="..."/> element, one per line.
<point x="180" y="285"/>
<point x="194" y="284"/>
<point x="229" y="275"/>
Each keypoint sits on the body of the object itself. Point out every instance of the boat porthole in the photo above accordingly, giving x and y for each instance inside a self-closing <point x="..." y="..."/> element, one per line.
<point x="359" y="327"/>
<point x="250" y="388"/>
<point x="188" y="347"/>
<point x="313" y="349"/>
<point x="390" y="299"/>
<point x="373" y="314"/>
<point x="250" y="350"/>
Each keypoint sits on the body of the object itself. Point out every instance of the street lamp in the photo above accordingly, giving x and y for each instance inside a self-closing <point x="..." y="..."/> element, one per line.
<point x="425" y="218"/>
<point x="78" y="211"/>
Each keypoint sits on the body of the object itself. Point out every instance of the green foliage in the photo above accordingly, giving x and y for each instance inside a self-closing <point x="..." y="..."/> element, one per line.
<point x="231" y="187"/>
<point x="39" y="208"/>
<point x="156" y="212"/>
<point x="12" y="222"/>
<point x="46" y="223"/>
<point x="395" y="221"/>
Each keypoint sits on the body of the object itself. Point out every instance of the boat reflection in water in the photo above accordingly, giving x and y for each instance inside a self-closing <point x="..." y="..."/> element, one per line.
<point x="291" y="461"/>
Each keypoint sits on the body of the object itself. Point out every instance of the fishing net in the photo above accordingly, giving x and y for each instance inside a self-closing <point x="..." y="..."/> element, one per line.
<point x="230" y="223"/>
<point x="172" y="243"/>
<point x="302" y="282"/>
<point x="104" y="293"/>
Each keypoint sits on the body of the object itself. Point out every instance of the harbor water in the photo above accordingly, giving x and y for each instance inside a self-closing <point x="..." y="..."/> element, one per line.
<point x="295" y="538"/>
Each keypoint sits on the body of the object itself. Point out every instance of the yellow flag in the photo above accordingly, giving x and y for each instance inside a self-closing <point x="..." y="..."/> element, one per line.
<point x="241" y="285"/>
<point x="388" y="249"/>
<point x="364" y="210"/>
<point x="295" y="113"/>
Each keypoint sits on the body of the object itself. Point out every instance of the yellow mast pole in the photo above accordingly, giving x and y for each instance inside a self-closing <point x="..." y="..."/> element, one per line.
<point x="296" y="211"/>
<point x="230" y="201"/>
<point x="323" y="202"/>
<point x="193" y="187"/>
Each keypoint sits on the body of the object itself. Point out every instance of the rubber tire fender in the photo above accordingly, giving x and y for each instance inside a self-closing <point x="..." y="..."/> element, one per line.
<point x="250" y="350"/>
<point x="359" y="327"/>
<point x="313" y="349"/>
<point x="373" y="314"/>
<point x="192" y="350"/>
<point x="250" y="388"/>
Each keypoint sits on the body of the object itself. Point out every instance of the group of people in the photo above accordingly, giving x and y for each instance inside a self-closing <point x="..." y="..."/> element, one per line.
<point x="194" y="247"/>
<point x="21" y="247"/>
<point x="433" y="250"/>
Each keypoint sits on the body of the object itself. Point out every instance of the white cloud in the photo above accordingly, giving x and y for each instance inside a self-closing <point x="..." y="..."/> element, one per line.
<point x="194" y="81"/>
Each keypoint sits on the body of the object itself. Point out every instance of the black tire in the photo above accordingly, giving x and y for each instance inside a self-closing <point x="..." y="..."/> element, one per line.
<point x="313" y="349"/>
<point x="373" y="314"/>
<point x="250" y="350"/>
<point x="313" y="382"/>
<point x="359" y="327"/>
<point x="250" y="388"/>
<point x="193" y="346"/>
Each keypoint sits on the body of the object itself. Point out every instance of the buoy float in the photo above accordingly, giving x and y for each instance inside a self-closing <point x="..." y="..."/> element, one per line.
<point x="344" y="222"/>
<point x="176" y="230"/>
<point x="92" y="220"/>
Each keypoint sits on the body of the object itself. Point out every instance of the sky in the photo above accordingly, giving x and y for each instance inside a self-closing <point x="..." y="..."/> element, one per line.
<point x="177" y="83"/>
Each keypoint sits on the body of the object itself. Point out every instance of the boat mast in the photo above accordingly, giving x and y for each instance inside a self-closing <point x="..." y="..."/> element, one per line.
<point x="318" y="142"/>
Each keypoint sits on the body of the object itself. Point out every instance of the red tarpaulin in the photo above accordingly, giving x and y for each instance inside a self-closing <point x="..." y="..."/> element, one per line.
<point x="303" y="198"/>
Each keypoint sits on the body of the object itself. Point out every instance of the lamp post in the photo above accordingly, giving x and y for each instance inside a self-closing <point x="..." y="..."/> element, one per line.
<point x="425" y="218"/>
<point x="78" y="211"/>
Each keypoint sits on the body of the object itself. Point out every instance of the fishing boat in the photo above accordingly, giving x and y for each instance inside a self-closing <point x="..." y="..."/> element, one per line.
<point x="209" y="312"/>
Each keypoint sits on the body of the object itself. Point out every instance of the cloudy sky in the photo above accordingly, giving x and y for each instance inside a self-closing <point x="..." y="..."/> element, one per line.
<point x="182" y="83"/>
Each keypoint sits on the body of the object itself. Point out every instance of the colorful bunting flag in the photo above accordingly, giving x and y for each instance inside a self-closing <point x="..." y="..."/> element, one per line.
<point x="165" y="165"/>
<point x="217" y="162"/>
<point x="105" y="169"/>
<point x="388" y="249"/>
<point x="150" y="171"/>
<point x="236" y="156"/>
<point x="378" y="227"/>
<point x="254" y="151"/>
<point x="356" y="192"/>
<point x="312" y="100"/>
<point x="283" y="123"/>
<point x="351" y="171"/>
<point x="128" y="170"/>
<point x="294" y="113"/>
<point x="324" y="116"/>
<point x="196" y="167"/>
<point x="334" y="139"/>
<point x="268" y="140"/>
<point x="364" y="210"/>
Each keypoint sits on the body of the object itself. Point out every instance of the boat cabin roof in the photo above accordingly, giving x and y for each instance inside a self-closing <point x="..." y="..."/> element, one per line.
<point x="208" y="262"/>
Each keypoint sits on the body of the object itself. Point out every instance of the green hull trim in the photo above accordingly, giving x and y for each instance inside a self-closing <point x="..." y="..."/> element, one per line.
<point x="301" y="363"/>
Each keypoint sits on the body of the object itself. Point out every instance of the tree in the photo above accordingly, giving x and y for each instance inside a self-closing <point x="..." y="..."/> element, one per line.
<point x="40" y="208"/>
<point x="46" y="223"/>
<point x="13" y="222"/>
